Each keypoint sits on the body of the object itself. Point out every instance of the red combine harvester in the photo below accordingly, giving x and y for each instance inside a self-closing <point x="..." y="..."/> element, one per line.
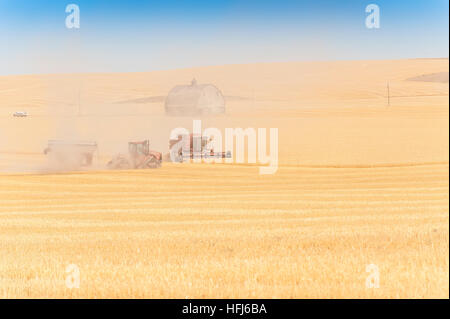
<point x="199" y="147"/>
<point x="139" y="157"/>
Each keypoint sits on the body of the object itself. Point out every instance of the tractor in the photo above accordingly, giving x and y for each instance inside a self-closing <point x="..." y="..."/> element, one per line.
<point x="139" y="157"/>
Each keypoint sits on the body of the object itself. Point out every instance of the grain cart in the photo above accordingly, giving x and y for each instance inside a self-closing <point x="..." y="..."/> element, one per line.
<point x="70" y="155"/>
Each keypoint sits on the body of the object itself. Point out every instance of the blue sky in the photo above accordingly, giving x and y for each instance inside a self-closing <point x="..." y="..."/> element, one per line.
<point x="129" y="36"/>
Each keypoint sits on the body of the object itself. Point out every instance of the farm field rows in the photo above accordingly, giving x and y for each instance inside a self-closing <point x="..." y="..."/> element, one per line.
<point x="218" y="231"/>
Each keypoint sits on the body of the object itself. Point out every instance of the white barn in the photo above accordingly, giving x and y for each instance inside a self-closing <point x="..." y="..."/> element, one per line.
<point x="195" y="99"/>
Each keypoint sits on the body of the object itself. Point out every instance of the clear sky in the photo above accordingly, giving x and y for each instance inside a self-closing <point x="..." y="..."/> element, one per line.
<point x="138" y="35"/>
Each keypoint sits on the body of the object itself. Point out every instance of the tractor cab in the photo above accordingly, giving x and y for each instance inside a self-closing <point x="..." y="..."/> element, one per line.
<point x="139" y="148"/>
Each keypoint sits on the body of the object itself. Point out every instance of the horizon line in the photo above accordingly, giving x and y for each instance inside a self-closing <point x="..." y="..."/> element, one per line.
<point x="221" y="65"/>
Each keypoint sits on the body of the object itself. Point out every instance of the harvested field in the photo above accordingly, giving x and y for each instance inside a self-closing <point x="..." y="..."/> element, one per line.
<point x="358" y="183"/>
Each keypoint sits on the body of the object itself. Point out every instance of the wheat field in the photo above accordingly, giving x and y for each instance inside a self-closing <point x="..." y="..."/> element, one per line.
<point x="359" y="183"/>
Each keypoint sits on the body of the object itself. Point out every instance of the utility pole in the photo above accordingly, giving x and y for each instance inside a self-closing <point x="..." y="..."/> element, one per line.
<point x="388" y="95"/>
<point x="79" y="97"/>
<point x="253" y="97"/>
<point x="79" y="101"/>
